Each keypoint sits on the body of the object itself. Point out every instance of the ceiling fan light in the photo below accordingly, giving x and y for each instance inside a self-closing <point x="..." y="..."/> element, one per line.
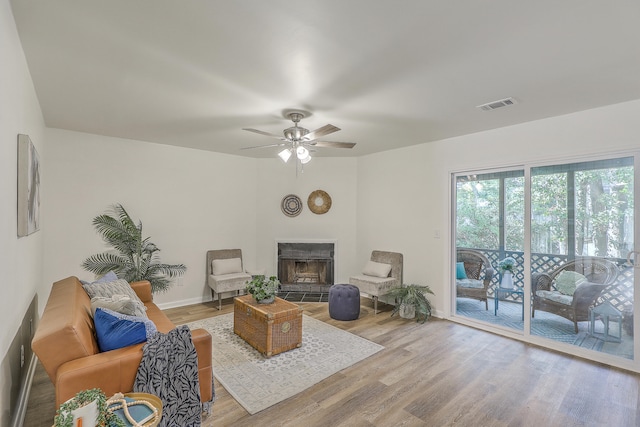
<point x="306" y="159"/>
<point x="302" y="152"/>
<point x="285" y="154"/>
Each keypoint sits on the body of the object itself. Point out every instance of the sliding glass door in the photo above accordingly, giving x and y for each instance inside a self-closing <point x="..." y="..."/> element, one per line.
<point x="560" y="272"/>
<point x="582" y="225"/>
<point x="490" y="234"/>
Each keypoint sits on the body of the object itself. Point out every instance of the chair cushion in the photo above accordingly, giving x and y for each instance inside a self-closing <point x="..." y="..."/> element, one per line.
<point x="231" y="277"/>
<point x="229" y="282"/>
<point x="372" y="285"/>
<point x="376" y="269"/>
<point x="470" y="283"/>
<point x="556" y="297"/>
<point x="220" y="267"/>
<point x="460" y="272"/>
<point x="567" y="281"/>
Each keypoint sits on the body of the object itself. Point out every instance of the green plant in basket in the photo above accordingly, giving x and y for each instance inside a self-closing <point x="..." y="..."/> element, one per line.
<point x="263" y="290"/>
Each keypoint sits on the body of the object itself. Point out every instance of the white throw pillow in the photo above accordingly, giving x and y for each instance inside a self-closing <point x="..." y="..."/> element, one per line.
<point x="120" y="303"/>
<point x="117" y="287"/>
<point x="226" y="266"/>
<point x="376" y="269"/>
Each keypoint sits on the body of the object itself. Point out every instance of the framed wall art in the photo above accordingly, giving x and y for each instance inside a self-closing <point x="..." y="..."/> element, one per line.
<point x="28" y="187"/>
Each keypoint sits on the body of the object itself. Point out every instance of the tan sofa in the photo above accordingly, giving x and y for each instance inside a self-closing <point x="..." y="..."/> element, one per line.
<point x="66" y="345"/>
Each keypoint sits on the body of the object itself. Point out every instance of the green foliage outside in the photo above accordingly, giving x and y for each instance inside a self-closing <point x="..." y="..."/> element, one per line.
<point x="603" y="216"/>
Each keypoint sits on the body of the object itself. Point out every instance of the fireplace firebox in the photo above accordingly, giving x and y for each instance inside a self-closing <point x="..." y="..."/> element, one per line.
<point x="306" y="267"/>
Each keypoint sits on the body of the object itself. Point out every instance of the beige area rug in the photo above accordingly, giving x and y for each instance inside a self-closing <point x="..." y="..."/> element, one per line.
<point x="257" y="383"/>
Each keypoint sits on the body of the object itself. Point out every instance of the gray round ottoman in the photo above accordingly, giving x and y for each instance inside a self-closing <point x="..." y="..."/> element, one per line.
<point x="344" y="302"/>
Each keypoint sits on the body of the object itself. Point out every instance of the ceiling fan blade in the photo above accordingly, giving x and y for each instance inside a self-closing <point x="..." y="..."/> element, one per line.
<point x="319" y="133"/>
<point x="265" y="146"/>
<point x="261" y="132"/>
<point x="332" y="144"/>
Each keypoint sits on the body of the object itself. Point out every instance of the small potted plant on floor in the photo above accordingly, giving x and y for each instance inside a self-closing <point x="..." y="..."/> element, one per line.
<point x="412" y="302"/>
<point x="263" y="290"/>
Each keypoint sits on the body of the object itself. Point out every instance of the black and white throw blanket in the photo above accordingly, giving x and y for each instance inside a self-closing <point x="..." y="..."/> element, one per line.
<point x="169" y="369"/>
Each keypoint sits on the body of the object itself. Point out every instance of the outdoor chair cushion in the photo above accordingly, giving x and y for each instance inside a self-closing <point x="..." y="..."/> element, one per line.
<point x="556" y="296"/>
<point x="470" y="283"/>
<point x="460" y="271"/>
<point x="567" y="281"/>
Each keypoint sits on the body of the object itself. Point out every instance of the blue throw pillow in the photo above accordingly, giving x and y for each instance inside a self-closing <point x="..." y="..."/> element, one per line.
<point x="460" y="273"/>
<point x="115" y="330"/>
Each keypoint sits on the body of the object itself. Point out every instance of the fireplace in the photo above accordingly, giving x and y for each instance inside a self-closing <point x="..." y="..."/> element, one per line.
<point x="306" y="267"/>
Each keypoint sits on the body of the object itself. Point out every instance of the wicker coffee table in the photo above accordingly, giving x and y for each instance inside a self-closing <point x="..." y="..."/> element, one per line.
<point x="269" y="328"/>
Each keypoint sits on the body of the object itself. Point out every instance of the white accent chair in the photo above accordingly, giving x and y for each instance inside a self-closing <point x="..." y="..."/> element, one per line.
<point x="377" y="283"/>
<point x="225" y="273"/>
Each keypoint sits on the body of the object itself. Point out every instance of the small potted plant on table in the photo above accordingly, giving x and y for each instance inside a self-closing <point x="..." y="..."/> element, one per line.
<point x="412" y="302"/>
<point x="263" y="290"/>
<point x="507" y="267"/>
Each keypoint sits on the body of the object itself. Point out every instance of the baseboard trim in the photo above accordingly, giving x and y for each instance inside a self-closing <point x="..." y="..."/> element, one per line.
<point x="182" y="303"/>
<point x="23" y="399"/>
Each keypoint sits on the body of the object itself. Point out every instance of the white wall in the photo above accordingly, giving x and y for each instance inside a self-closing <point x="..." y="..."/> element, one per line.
<point x="336" y="176"/>
<point x="403" y="195"/>
<point x="20" y="259"/>
<point x="189" y="201"/>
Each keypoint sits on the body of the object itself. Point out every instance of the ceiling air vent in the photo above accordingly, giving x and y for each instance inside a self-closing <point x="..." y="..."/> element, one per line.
<point x="497" y="104"/>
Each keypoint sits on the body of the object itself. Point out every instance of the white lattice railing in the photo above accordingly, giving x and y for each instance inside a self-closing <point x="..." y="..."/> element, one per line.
<point x="620" y="294"/>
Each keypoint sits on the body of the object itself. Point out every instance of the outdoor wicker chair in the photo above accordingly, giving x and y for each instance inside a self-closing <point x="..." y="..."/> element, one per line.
<point x="599" y="272"/>
<point x="478" y="272"/>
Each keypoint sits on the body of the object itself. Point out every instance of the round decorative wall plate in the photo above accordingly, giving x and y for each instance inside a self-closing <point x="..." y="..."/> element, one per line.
<point x="291" y="205"/>
<point x="319" y="202"/>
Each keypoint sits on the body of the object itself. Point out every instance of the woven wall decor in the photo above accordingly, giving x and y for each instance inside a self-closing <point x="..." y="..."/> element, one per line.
<point x="291" y="205"/>
<point x="319" y="202"/>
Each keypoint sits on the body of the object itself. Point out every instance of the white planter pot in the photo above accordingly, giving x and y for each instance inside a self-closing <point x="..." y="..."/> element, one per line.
<point x="88" y="413"/>
<point x="407" y="311"/>
<point x="507" y="280"/>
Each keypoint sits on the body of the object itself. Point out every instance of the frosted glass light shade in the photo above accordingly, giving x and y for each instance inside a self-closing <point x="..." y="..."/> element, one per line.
<point x="285" y="154"/>
<point x="306" y="159"/>
<point x="302" y="153"/>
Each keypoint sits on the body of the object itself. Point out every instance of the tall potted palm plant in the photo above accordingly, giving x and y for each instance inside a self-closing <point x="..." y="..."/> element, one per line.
<point x="135" y="258"/>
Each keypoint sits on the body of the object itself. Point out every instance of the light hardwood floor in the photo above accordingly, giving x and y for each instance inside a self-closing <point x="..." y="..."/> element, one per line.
<point x="437" y="374"/>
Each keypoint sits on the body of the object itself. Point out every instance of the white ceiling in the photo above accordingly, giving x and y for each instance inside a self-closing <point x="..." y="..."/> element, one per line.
<point x="389" y="73"/>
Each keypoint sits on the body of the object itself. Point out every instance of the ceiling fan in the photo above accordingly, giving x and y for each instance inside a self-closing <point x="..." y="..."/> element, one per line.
<point x="299" y="140"/>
